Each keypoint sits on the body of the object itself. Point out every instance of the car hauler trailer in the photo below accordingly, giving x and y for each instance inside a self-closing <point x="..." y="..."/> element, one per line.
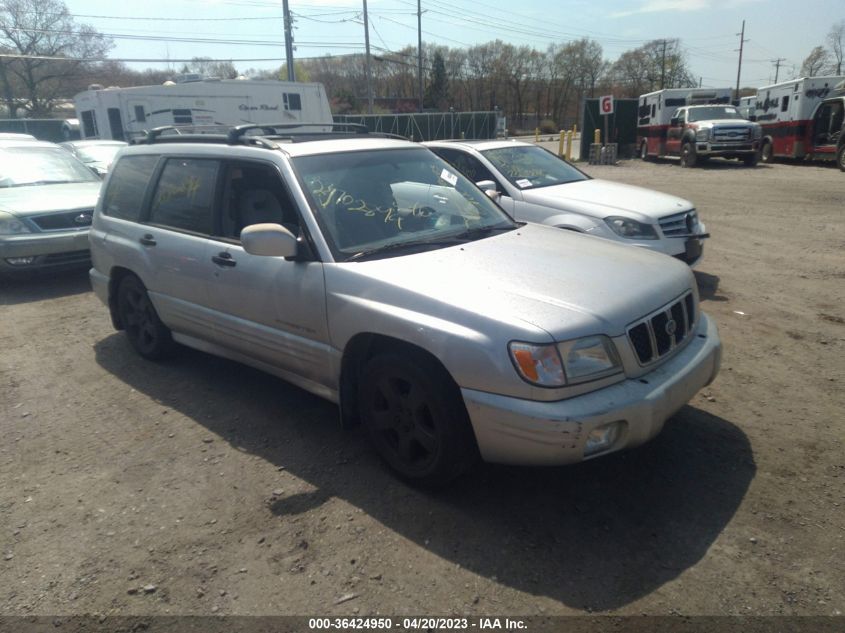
<point x="121" y="113"/>
<point x="802" y="118"/>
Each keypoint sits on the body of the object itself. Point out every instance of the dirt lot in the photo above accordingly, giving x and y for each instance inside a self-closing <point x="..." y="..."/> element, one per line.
<point x="224" y="490"/>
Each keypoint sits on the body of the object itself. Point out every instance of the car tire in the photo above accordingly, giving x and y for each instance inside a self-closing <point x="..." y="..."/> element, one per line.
<point x="144" y="329"/>
<point x="416" y="418"/>
<point x="688" y="156"/>
<point x="840" y="158"/>
<point x="751" y="160"/>
<point x="767" y="154"/>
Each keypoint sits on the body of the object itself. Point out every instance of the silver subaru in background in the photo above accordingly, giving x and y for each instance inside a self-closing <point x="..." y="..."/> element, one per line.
<point x="47" y="200"/>
<point x="370" y="272"/>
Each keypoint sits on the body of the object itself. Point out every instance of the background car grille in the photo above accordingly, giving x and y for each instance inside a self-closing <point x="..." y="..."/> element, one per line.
<point x="679" y="224"/>
<point x="78" y="219"/>
<point x="652" y="339"/>
<point x="731" y="134"/>
<point x="72" y="257"/>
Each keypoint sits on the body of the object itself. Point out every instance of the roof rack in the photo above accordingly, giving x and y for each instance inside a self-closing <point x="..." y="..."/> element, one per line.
<point x="266" y="136"/>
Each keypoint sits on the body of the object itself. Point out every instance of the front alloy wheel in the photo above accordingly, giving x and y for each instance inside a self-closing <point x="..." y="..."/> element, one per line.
<point x="688" y="156"/>
<point x="840" y="157"/>
<point x="415" y="418"/>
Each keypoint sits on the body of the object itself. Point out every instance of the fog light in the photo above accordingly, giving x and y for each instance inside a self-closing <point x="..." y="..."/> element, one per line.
<point x="20" y="261"/>
<point x="602" y="438"/>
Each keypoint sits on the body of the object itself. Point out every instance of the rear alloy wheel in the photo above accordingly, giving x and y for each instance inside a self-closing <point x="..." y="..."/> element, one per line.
<point x="766" y="154"/>
<point x="840" y="157"/>
<point x="688" y="156"/>
<point x="147" y="334"/>
<point x="415" y="418"/>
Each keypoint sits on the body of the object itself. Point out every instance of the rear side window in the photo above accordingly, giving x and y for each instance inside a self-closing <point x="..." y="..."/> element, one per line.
<point x="125" y="193"/>
<point x="184" y="198"/>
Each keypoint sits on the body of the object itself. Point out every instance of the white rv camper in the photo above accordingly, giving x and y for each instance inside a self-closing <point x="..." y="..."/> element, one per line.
<point x="122" y="113"/>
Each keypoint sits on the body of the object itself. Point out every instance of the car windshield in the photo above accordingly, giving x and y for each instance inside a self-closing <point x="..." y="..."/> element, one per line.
<point x="22" y="166"/>
<point x="532" y="167"/>
<point x="712" y="112"/>
<point x="97" y="153"/>
<point x="382" y="202"/>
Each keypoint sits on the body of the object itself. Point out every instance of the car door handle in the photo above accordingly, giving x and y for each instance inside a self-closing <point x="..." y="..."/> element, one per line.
<point x="224" y="259"/>
<point x="148" y="240"/>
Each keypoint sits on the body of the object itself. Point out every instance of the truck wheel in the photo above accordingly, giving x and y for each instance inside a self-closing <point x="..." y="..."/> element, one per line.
<point x="840" y="158"/>
<point x="751" y="160"/>
<point x="416" y="418"/>
<point x="688" y="156"/>
<point x="766" y="153"/>
<point x="148" y="335"/>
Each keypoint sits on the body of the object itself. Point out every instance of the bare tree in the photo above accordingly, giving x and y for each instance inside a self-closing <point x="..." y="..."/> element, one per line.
<point x="44" y="52"/>
<point x="836" y="39"/>
<point x="207" y="68"/>
<point x="816" y="62"/>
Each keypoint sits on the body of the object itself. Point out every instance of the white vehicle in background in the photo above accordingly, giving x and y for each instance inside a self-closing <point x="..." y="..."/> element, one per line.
<point x="803" y="118"/>
<point x="534" y="185"/>
<point x="97" y="155"/>
<point x="122" y="113"/>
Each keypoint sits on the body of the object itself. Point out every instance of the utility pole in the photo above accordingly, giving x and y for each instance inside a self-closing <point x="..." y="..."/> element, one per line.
<point x="663" y="67"/>
<point x="742" y="41"/>
<point x="419" y="52"/>
<point x="288" y="42"/>
<point x="369" y="70"/>
<point x="777" y="62"/>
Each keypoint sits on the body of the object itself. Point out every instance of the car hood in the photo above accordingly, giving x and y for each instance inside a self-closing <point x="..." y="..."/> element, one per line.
<point x="601" y="198"/>
<point x="38" y="199"/>
<point x="731" y="122"/>
<point x="535" y="280"/>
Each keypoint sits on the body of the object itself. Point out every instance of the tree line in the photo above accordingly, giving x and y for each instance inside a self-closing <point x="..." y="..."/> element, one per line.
<point x="45" y="57"/>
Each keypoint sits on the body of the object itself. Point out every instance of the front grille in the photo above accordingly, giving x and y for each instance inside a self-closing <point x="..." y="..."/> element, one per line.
<point x="731" y="134"/>
<point x="659" y="333"/>
<point x="679" y="224"/>
<point x="64" y="220"/>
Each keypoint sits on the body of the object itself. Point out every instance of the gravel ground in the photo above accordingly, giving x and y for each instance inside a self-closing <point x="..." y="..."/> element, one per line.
<point x="199" y="486"/>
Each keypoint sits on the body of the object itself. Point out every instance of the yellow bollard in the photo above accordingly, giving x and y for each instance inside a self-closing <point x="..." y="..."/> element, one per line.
<point x="569" y="145"/>
<point x="560" y="144"/>
<point x="597" y="136"/>
<point x="536" y="135"/>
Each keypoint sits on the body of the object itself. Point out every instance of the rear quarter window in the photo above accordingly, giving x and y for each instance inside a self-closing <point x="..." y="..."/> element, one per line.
<point x="128" y="184"/>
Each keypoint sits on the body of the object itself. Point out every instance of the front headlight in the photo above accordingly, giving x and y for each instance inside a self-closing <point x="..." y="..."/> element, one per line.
<point x="10" y="225"/>
<point x="567" y="363"/>
<point x="631" y="229"/>
<point x="703" y="134"/>
<point x="588" y="358"/>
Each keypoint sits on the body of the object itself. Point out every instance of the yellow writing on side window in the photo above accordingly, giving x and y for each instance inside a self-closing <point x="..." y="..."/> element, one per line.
<point x="187" y="189"/>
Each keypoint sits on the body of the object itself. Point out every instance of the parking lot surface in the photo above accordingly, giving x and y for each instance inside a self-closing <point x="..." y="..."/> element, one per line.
<point x="199" y="486"/>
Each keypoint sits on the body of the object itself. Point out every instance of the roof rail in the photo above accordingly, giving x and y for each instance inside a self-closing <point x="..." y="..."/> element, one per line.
<point x="271" y="129"/>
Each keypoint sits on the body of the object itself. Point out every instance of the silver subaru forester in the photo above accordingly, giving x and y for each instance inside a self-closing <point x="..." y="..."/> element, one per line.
<point x="370" y="272"/>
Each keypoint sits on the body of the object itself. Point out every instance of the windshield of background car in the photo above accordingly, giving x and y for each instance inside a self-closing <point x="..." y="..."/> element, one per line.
<point x="383" y="199"/>
<point x="22" y="166"/>
<point x="98" y="153"/>
<point x="528" y="167"/>
<point x="710" y="113"/>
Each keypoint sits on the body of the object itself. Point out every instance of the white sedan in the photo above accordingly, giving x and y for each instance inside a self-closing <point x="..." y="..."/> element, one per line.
<point x="537" y="186"/>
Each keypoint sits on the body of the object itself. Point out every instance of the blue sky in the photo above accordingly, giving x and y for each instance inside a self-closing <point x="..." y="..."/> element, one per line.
<point x="708" y="29"/>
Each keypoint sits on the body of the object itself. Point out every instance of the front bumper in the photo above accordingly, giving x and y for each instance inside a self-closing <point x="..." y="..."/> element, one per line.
<point x="49" y="250"/>
<point x="727" y="148"/>
<point x="514" y="431"/>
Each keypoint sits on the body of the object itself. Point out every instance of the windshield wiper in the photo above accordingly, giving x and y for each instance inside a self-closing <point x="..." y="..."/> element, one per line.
<point x="388" y="248"/>
<point x="481" y="231"/>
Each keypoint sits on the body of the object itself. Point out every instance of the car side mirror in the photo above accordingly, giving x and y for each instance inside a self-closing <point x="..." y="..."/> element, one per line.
<point x="489" y="188"/>
<point x="269" y="240"/>
<point x="675" y="121"/>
